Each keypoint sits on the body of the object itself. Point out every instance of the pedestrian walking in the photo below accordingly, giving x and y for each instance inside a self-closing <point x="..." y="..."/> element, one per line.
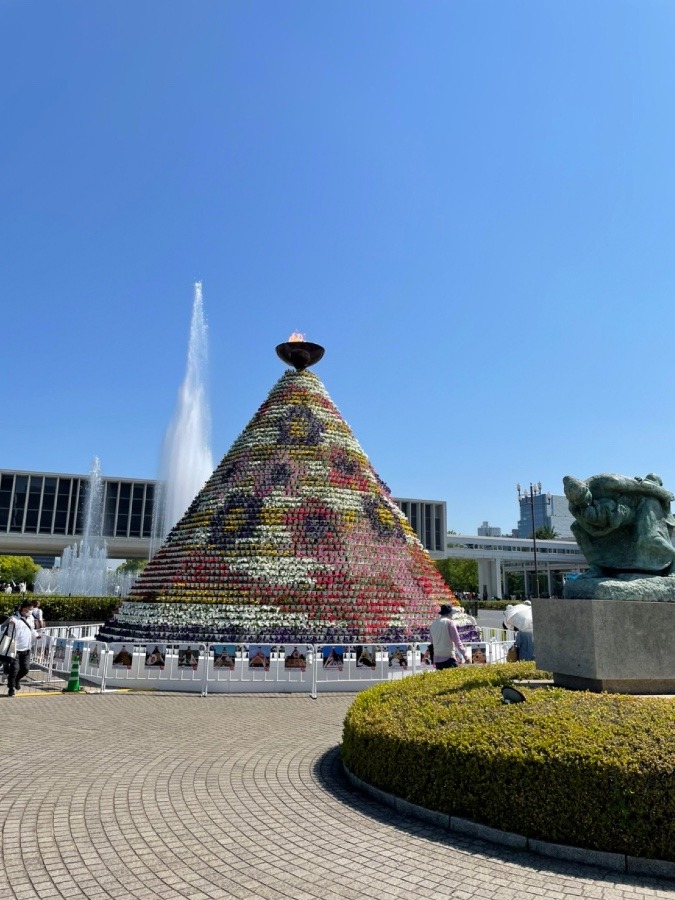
<point x="445" y="637"/>
<point x="38" y="615"/>
<point x="24" y="627"/>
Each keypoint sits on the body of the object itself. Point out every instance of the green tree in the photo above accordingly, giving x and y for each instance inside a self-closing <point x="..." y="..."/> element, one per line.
<point x="459" y="574"/>
<point x="134" y="566"/>
<point x="18" y="568"/>
<point x="545" y="533"/>
<point x="515" y="582"/>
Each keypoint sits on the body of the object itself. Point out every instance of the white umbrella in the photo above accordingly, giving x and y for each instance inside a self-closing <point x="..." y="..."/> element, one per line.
<point x="519" y="616"/>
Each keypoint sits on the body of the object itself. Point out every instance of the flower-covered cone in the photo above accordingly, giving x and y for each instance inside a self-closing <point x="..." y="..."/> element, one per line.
<point x="294" y="537"/>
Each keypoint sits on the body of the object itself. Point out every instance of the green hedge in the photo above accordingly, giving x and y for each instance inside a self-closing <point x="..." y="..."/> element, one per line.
<point x="496" y="604"/>
<point x="64" y="609"/>
<point x="473" y="607"/>
<point x="590" y="770"/>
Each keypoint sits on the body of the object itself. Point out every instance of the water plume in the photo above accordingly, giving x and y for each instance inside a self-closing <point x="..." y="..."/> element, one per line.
<point x="186" y="461"/>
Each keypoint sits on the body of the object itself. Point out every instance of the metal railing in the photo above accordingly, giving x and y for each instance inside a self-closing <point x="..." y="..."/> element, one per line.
<point x="237" y="668"/>
<point x="87" y="630"/>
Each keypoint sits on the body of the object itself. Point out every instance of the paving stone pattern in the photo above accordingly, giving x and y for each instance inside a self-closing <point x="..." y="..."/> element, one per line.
<point x="172" y="796"/>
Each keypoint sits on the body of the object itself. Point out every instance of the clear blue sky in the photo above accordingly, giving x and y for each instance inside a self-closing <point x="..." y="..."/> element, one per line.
<point x="470" y="204"/>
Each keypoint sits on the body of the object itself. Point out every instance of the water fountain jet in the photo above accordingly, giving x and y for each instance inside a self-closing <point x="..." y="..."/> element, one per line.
<point x="84" y="564"/>
<point x="186" y="462"/>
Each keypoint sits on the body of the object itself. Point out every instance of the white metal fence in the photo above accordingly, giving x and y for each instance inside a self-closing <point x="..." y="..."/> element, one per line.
<point x="242" y="668"/>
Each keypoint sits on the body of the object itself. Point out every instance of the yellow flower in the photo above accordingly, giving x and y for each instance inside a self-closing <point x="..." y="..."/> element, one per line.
<point x="351" y="517"/>
<point x="385" y="516"/>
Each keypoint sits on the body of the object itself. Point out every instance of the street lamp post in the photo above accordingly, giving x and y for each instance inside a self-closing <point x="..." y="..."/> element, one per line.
<point x="534" y="490"/>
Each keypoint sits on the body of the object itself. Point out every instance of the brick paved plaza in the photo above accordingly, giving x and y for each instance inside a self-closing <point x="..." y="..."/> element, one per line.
<point x="171" y="796"/>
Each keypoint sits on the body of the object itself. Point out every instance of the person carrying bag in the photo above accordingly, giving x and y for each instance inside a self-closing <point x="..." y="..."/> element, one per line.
<point x="7" y="644"/>
<point x="7" y="641"/>
<point x="7" y="647"/>
<point x="19" y="633"/>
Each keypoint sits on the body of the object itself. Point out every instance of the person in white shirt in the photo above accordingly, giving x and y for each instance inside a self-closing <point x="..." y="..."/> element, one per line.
<point x="23" y="624"/>
<point x="37" y="615"/>
<point x="445" y="637"/>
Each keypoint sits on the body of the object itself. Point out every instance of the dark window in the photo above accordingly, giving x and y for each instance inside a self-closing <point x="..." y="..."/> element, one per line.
<point x="136" y="511"/>
<point x="111" y="492"/>
<point x="6" y="483"/>
<point x="437" y="529"/>
<point x="62" y="502"/>
<point x="413" y="516"/>
<point x="62" y="506"/>
<point x="149" y="509"/>
<point x="123" y="509"/>
<point x="77" y="511"/>
<point x="48" y="501"/>
<point x="19" y="505"/>
<point x="427" y="526"/>
<point x="33" y="510"/>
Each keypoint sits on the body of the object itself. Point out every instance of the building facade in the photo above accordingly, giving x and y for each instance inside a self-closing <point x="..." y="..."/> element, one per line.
<point x="499" y="556"/>
<point x="550" y="511"/>
<point x="487" y="530"/>
<point x="428" y="519"/>
<point x="42" y="513"/>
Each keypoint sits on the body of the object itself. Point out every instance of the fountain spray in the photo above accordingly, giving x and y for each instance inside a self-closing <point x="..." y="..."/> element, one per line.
<point x="186" y="461"/>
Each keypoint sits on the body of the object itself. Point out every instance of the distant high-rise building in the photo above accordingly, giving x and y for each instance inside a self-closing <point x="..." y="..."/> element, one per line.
<point x="560" y="516"/>
<point x="487" y="530"/>
<point x="550" y="511"/>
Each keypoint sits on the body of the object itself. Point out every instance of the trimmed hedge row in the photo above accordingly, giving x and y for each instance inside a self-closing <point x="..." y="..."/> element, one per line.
<point x="590" y="770"/>
<point x="64" y="609"/>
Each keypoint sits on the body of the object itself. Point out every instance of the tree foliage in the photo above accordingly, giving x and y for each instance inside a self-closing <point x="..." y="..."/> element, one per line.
<point x="545" y="533"/>
<point x="459" y="574"/>
<point x="17" y="568"/>
<point x="135" y="566"/>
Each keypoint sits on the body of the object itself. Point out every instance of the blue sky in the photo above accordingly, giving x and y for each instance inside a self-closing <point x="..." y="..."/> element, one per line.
<point x="470" y="204"/>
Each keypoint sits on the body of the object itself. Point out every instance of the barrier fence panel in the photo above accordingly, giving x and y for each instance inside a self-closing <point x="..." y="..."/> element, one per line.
<point x="355" y="666"/>
<point x="497" y="634"/>
<point x="40" y="658"/>
<point x="219" y="668"/>
<point x="61" y="655"/>
<point x="91" y="660"/>
<point x="485" y="652"/>
<point x="246" y="667"/>
<point x="86" y="631"/>
<point x="41" y="650"/>
<point x="177" y="667"/>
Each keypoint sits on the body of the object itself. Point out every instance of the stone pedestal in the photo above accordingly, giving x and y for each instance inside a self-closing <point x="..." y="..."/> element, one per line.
<point x="620" y="646"/>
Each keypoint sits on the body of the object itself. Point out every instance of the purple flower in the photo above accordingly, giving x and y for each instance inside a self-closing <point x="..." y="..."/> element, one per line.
<point x="299" y="426"/>
<point x="238" y="518"/>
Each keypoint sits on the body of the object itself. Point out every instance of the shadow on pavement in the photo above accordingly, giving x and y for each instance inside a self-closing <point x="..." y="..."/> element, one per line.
<point x="330" y="775"/>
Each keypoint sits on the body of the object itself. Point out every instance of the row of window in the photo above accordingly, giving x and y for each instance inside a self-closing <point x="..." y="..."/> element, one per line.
<point x="508" y="548"/>
<point x="52" y="504"/>
<point x="426" y="520"/>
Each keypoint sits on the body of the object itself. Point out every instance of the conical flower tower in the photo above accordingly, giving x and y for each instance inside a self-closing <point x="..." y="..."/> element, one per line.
<point x="293" y="538"/>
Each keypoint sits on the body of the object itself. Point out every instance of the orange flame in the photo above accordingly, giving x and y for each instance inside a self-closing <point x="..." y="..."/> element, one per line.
<point x="296" y="336"/>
